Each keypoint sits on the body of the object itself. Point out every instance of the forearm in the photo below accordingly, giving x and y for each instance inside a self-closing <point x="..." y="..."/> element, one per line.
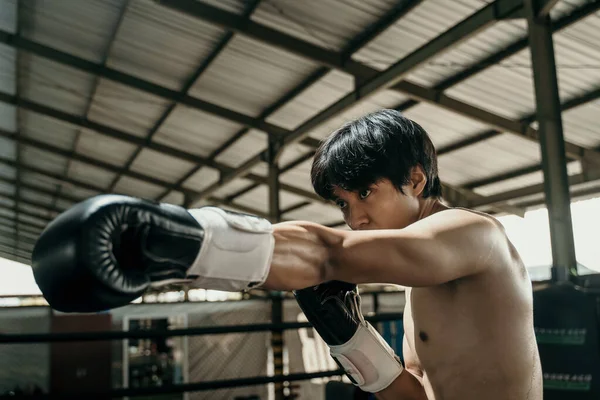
<point x="301" y="255"/>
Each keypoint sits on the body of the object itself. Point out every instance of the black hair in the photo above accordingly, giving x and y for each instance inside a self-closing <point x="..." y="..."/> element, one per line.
<point x="379" y="145"/>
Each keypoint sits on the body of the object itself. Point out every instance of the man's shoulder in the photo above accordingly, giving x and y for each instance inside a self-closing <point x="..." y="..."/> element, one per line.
<point x="465" y="219"/>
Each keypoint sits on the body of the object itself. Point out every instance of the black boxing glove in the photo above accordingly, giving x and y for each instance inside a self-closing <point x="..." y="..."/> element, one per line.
<point x="333" y="308"/>
<point x="108" y="250"/>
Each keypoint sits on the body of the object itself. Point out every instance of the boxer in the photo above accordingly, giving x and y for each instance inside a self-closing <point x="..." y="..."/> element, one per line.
<point x="468" y="317"/>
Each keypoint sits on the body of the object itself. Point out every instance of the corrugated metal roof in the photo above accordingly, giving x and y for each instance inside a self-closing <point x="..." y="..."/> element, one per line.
<point x="444" y="127"/>
<point x="38" y="180"/>
<point x="565" y="7"/>
<point x="42" y="159"/>
<point x="125" y="108"/>
<point x="81" y="28"/>
<point x="323" y="93"/>
<point x="320" y="213"/>
<point x="385" y="99"/>
<point x="7" y="189"/>
<point x="7" y="69"/>
<point x="522" y="181"/>
<point x="496" y="155"/>
<point x="195" y="131"/>
<point x="8" y="117"/>
<point x="89" y="174"/>
<point x="258" y="199"/>
<point x="234" y="6"/>
<point x="505" y="89"/>
<point x="232" y="187"/>
<point x="7" y="148"/>
<point x="581" y="125"/>
<point x="299" y="176"/>
<point x="249" y="145"/>
<point x="7" y="171"/>
<point x="471" y="51"/>
<point x="426" y="21"/>
<point x="174" y="198"/>
<point x="160" y="166"/>
<point x="249" y="76"/>
<point x="161" y="45"/>
<point x="53" y="84"/>
<point x="36" y="196"/>
<point x="47" y="130"/>
<point x="203" y="178"/>
<point x="326" y="23"/>
<point x="8" y="20"/>
<point x="106" y="149"/>
<point x="135" y="187"/>
<point x="577" y="51"/>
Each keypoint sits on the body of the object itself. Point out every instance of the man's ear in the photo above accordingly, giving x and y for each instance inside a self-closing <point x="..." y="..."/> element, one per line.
<point x="418" y="180"/>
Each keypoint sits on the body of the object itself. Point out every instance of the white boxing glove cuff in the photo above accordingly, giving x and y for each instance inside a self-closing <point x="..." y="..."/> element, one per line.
<point x="236" y="251"/>
<point x="368" y="359"/>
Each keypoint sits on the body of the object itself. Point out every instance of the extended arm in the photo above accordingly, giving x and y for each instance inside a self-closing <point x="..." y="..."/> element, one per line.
<point x="441" y="248"/>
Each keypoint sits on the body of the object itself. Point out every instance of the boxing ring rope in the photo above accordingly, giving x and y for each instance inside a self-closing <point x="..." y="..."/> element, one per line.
<point x="186" y="387"/>
<point x="160" y="333"/>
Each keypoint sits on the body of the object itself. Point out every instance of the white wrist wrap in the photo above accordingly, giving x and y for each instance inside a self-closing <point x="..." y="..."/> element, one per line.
<point x="236" y="251"/>
<point x="368" y="359"/>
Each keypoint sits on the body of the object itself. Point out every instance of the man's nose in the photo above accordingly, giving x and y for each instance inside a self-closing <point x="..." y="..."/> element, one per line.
<point x="357" y="219"/>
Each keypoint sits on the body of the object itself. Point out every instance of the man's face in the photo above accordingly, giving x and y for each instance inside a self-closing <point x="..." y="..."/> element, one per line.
<point x="380" y="206"/>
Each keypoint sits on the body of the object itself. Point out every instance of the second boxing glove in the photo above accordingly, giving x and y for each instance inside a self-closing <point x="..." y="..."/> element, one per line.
<point x="333" y="308"/>
<point x="108" y="250"/>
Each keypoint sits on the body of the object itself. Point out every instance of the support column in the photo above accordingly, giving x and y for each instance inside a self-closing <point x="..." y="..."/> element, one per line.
<point x="554" y="161"/>
<point x="277" y="343"/>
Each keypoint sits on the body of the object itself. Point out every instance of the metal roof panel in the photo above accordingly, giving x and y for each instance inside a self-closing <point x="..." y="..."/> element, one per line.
<point x="81" y="28"/>
<point x="249" y="76"/>
<point x="124" y="108"/>
<point x="161" y="45"/>
<point x="53" y="84"/>
<point x="426" y="21"/>
<point x="496" y="155"/>
<point x="160" y="166"/>
<point x="327" y="24"/>
<point x="195" y="131"/>
<point x="99" y="147"/>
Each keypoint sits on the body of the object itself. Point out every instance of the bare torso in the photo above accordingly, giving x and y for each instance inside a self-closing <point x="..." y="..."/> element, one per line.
<point x="474" y="338"/>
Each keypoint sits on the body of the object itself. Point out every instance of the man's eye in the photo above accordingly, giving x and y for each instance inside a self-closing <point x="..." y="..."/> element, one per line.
<point x="364" y="193"/>
<point x="341" y="203"/>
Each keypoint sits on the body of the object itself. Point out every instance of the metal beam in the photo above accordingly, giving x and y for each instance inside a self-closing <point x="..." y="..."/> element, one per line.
<point x="90" y="100"/>
<point x="538" y="188"/>
<point x="552" y="144"/>
<point x="134" y="82"/>
<point x="567" y="105"/>
<point x="295" y="207"/>
<point x="37" y="217"/>
<point x="515" y="47"/>
<point x="375" y="81"/>
<point x="127" y="137"/>
<point x="542" y="8"/>
<point x="401" y="8"/>
<point x="503" y="176"/>
<point x="39" y="189"/>
<point x="15" y="251"/>
<point x="29" y="228"/>
<point x="190" y="82"/>
<point x="518" y="128"/>
<point x="111" y="168"/>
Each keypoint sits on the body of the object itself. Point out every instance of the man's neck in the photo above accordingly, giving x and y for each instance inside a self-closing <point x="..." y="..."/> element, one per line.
<point x="431" y="206"/>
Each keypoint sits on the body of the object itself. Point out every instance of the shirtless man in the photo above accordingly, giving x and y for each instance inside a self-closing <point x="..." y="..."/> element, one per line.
<point x="468" y="317"/>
